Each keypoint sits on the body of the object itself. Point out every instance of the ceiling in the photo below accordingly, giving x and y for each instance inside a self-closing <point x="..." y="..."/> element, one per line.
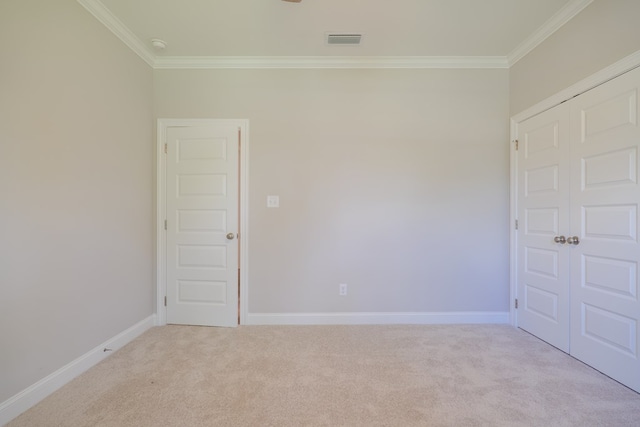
<point x="497" y="31"/>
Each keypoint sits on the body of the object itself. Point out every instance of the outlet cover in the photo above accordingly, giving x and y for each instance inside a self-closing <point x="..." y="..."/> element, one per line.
<point x="273" y="201"/>
<point x="343" y="289"/>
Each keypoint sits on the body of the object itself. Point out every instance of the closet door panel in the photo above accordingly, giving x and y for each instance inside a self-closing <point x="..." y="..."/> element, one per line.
<point x="543" y="213"/>
<point x="605" y="200"/>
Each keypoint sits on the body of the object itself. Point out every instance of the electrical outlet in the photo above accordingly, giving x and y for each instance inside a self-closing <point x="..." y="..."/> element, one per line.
<point x="273" y="201"/>
<point x="343" y="289"/>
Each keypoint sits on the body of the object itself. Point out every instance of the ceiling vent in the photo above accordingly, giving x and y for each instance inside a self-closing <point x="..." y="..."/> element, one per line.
<point x="343" y="38"/>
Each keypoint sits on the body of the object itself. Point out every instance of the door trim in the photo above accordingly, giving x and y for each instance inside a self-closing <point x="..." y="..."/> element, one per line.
<point x="161" y="185"/>
<point x="616" y="69"/>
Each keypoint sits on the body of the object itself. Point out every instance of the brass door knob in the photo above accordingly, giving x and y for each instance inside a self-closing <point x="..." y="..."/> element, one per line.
<point x="560" y="239"/>
<point x="574" y="240"/>
<point x="230" y="236"/>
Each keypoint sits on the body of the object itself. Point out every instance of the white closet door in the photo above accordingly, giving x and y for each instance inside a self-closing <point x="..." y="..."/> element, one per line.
<point x="543" y="215"/>
<point x="605" y="198"/>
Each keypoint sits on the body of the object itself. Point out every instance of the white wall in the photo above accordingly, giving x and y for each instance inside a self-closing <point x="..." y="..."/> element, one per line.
<point x="75" y="188"/>
<point x="603" y="33"/>
<point x="392" y="181"/>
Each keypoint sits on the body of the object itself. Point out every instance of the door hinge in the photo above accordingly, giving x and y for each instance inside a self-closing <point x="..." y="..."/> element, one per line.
<point x="165" y="224"/>
<point x="515" y="304"/>
<point x="517" y="144"/>
<point x="165" y="148"/>
<point x="165" y="300"/>
<point x="516" y="225"/>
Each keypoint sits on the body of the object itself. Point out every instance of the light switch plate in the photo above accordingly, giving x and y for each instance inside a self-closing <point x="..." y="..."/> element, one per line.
<point x="273" y="201"/>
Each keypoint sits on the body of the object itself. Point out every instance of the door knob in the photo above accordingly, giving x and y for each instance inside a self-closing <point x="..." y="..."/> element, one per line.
<point x="560" y="239"/>
<point x="573" y="240"/>
<point x="230" y="236"/>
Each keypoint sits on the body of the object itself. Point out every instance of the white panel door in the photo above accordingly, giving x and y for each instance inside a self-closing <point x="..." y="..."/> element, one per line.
<point x="202" y="225"/>
<point x="605" y="199"/>
<point x="543" y="215"/>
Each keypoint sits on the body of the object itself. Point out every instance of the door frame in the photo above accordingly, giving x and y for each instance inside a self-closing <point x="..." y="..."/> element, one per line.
<point x="161" y="206"/>
<point x="618" y="68"/>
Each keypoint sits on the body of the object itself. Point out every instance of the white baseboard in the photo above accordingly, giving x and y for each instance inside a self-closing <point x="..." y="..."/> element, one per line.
<point x="419" y="318"/>
<point x="33" y="394"/>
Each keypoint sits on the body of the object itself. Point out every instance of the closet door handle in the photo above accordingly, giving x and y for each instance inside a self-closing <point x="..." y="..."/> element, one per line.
<point x="560" y="239"/>
<point x="573" y="240"/>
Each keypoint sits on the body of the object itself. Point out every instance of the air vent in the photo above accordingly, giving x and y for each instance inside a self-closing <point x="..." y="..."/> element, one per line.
<point x="343" y="38"/>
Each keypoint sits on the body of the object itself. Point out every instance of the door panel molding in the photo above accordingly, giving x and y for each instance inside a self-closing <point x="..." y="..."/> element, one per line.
<point x="161" y="214"/>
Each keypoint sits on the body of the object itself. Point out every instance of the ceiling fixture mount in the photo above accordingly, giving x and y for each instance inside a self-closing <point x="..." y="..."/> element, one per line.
<point x="158" y="44"/>
<point x="293" y="1"/>
<point x="344" y="38"/>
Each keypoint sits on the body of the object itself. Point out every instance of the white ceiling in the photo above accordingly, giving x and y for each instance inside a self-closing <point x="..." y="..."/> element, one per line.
<point x="498" y="29"/>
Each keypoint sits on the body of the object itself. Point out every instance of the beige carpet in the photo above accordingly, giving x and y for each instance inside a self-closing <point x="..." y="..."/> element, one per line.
<point x="458" y="375"/>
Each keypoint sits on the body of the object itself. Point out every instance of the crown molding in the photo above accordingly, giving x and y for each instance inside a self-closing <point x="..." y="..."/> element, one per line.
<point x="109" y="20"/>
<point x="102" y="14"/>
<point x="553" y="24"/>
<point x="209" y="62"/>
